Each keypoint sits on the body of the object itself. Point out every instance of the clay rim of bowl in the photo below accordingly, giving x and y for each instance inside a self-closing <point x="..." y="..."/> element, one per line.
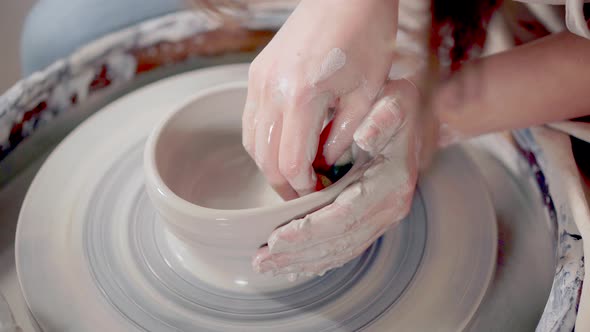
<point x="153" y="178"/>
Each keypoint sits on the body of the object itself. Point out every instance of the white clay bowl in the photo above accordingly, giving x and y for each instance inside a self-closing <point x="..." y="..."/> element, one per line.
<point x="210" y="194"/>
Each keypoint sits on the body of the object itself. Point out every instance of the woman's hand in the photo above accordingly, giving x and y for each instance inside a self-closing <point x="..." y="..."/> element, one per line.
<point x="341" y="231"/>
<point x="327" y="56"/>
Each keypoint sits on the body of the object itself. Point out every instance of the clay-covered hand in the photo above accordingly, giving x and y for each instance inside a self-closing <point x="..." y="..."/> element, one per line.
<point x="329" y="55"/>
<point x="341" y="231"/>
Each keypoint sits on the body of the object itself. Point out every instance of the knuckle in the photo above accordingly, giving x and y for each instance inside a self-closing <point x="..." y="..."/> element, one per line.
<point x="255" y="69"/>
<point x="270" y="170"/>
<point x="300" y="93"/>
<point x="260" y="73"/>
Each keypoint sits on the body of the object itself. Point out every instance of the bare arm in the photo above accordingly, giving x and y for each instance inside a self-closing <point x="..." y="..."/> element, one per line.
<point x="537" y="83"/>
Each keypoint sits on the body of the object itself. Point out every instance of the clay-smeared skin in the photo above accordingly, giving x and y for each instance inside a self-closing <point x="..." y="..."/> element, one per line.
<point x="343" y="230"/>
<point x="307" y="69"/>
<point x="380" y="116"/>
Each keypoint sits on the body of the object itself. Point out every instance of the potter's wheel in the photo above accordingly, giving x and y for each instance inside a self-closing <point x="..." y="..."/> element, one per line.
<point x="92" y="254"/>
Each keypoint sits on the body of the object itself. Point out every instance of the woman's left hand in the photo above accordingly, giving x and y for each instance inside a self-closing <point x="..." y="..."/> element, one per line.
<point x="329" y="55"/>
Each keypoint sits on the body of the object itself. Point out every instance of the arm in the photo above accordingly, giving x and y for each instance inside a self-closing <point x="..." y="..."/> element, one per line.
<point x="537" y="83"/>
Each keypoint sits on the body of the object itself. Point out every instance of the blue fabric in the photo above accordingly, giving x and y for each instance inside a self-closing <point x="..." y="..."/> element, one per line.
<point x="56" y="28"/>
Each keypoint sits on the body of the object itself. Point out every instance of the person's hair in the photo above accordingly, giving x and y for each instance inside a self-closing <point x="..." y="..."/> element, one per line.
<point x="464" y="22"/>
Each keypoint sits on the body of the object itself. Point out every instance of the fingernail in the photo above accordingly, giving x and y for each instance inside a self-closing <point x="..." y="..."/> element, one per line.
<point x="383" y="123"/>
<point x="366" y="136"/>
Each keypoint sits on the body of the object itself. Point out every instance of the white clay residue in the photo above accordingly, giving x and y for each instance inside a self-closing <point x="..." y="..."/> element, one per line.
<point x="281" y="90"/>
<point x="335" y="60"/>
<point x="447" y="135"/>
<point x="342" y="230"/>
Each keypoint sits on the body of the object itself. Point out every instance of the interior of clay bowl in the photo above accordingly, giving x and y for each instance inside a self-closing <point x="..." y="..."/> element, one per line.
<point x="196" y="156"/>
<point x="200" y="157"/>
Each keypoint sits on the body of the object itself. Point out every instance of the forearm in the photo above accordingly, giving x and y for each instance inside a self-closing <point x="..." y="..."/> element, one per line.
<point x="533" y="84"/>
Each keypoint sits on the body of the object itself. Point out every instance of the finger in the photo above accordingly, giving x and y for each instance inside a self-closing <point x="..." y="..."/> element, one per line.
<point x="302" y="123"/>
<point x="310" y="256"/>
<point x="263" y="255"/>
<point x="388" y="115"/>
<point x="349" y="115"/>
<point x="387" y="186"/>
<point x="384" y="120"/>
<point x="330" y="250"/>
<point x="329" y="255"/>
<point x="327" y="223"/>
<point x="266" y="147"/>
<point x="343" y="215"/>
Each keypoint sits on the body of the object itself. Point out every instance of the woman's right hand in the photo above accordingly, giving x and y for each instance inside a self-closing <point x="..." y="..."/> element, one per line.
<point x="329" y="55"/>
